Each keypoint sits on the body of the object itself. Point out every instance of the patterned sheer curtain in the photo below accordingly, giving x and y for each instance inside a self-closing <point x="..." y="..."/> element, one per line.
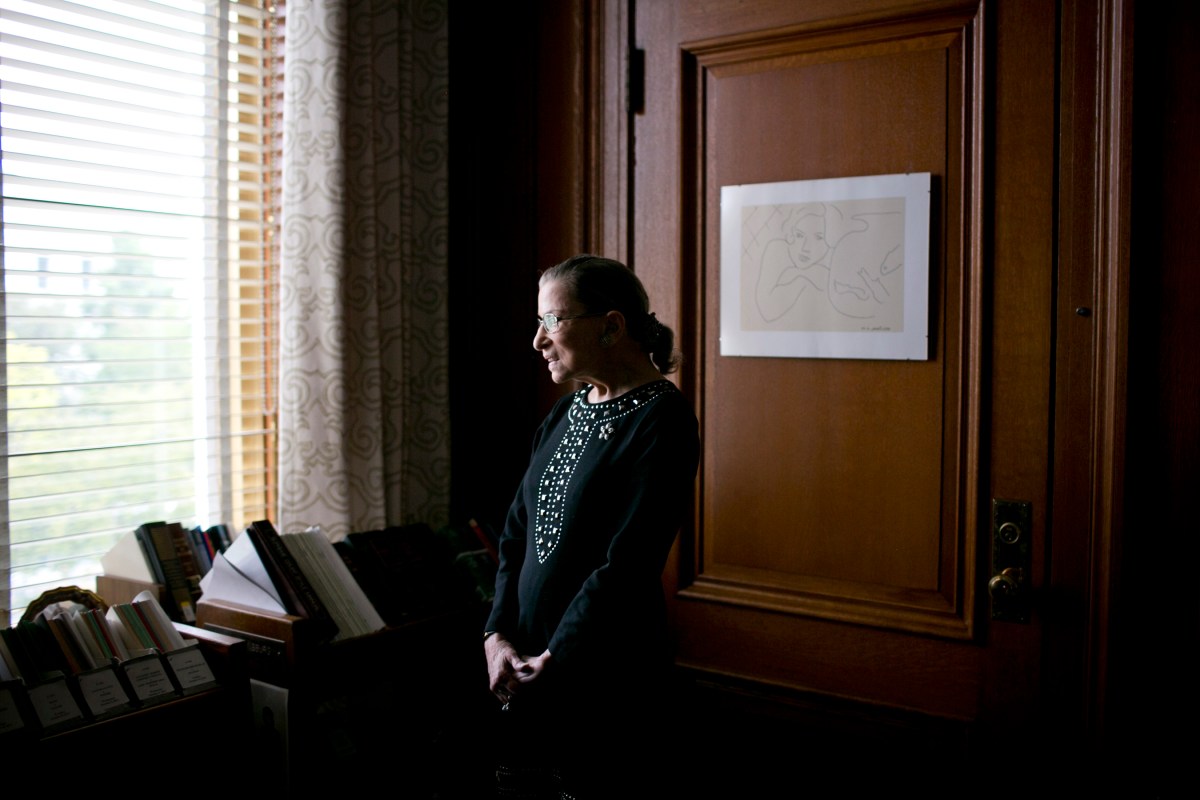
<point x="364" y="417"/>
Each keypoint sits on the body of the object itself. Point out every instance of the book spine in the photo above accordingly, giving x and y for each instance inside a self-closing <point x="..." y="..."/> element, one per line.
<point x="115" y="642"/>
<point x="122" y="637"/>
<point x="146" y="542"/>
<point x="285" y="572"/>
<point x="187" y="559"/>
<point x="219" y="537"/>
<point x="176" y="583"/>
<point x="157" y="622"/>
<point x="99" y="628"/>
<point x="83" y="633"/>
<point x="68" y="649"/>
<point x="84" y="648"/>
<point x="140" y="637"/>
<point x="152" y="630"/>
<point x="200" y="551"/>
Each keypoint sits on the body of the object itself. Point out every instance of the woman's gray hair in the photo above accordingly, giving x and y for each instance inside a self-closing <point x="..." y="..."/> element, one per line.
<point x="602" y="284"/>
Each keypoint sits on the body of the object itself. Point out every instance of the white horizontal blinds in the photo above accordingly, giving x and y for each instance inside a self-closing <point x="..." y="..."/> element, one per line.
<point x="137" y="278"/>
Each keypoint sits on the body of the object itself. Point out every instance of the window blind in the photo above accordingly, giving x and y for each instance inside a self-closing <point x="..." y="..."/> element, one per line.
<point x="140" y="184"/>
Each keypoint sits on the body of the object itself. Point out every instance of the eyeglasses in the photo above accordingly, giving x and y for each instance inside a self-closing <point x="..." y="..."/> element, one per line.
<point x="550" y="321"/>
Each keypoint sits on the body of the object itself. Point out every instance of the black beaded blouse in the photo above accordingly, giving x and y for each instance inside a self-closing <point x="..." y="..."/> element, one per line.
<point x="588" y="534"/>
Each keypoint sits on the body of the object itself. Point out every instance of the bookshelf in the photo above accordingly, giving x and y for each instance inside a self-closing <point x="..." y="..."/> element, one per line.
<point x="330" y="707"/>
<point x="407" y="705"/>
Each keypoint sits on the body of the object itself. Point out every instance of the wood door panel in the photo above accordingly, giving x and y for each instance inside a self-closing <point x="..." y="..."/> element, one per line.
<point x="842" y="489"/>
<point x="936" y="675"/>
<point x="829" y="470"/>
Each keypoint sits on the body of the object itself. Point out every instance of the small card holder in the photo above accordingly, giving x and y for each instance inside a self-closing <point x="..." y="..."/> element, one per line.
<point x="103" y="692"/>
<point x="55" y="705"/>
<point x="147" y="679"/>
<point x="190" y="668"/>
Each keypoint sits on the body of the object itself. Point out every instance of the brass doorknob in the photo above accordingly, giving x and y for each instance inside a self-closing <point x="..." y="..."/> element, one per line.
<point x="1008" y="583"/>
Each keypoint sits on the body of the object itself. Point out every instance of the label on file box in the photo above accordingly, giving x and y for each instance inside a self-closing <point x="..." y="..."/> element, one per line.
<point x="102" y="691"/>
<point x="148" y="678"/>
<point x="54" y="704"/>
<point x="191" y="670"/>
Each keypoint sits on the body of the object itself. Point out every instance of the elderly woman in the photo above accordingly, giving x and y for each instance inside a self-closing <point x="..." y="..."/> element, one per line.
<point x="576" y="642"/>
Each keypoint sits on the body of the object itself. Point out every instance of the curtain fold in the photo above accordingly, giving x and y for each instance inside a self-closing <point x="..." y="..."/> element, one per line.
<point x="364" y="407"/>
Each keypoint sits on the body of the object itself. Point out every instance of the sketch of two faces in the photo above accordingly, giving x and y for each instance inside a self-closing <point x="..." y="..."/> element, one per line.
<point x="824" y="266"/>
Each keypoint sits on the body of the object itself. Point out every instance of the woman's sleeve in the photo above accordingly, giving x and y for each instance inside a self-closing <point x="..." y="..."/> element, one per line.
<point x="505" y="607"/>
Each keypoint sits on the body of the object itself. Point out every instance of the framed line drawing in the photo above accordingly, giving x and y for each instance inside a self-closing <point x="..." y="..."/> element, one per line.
<point x="833" y="268"/>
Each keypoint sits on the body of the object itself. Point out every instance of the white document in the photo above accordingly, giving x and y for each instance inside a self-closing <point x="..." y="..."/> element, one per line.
<point x="126" y="560"/>
<point x="238" y="576"/>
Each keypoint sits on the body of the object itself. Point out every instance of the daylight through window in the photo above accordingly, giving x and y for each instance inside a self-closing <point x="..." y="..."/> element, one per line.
<point x="139" y="186"/>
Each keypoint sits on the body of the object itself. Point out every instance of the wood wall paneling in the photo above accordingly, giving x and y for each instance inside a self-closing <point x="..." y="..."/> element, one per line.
<point x="784" y="603"/>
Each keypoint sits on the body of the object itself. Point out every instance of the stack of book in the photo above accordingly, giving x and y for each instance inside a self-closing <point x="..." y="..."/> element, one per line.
<point x="361" y="584"/>
<point x="178" y="559"/>
<point x="314" y="582"/>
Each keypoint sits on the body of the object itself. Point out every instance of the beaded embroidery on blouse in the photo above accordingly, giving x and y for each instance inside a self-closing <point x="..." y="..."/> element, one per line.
<point x="584" y="419"/>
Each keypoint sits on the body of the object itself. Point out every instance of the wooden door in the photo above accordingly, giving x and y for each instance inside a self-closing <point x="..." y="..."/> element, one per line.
<point x="842" y="541"/>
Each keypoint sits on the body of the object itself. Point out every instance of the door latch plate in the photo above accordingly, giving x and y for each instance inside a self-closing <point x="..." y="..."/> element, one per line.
<point x="1012" y="560"/>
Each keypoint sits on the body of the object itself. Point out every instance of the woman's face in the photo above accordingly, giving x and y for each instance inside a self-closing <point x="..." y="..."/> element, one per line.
<point x="807" y="241"/>
<point x="572" y="352"/>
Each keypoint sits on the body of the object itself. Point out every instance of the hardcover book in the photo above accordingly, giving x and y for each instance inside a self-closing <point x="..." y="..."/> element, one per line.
<point x="192" y="571"/>
<point x="200" y="549"/>
<point x="352" y="610"/>
<point x="294" y="587"/>
<point x="144" y="540"/>
<point x="177" y="573"/>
